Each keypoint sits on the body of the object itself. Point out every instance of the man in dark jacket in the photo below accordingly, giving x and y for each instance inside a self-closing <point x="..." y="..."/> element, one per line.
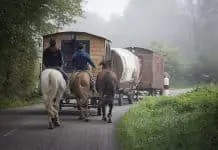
<point x="52" y="58"/>
<point x="80" y="61"/>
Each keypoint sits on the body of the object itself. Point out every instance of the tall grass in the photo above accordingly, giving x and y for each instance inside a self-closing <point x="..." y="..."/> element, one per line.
<point x="184" y="122"/>
<point x="13" y="102"/>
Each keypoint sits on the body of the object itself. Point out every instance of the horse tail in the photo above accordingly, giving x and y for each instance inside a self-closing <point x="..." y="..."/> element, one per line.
<point x="53" y="85"/>
<point x="110" y="80"/>
<point x="83" y="91"/>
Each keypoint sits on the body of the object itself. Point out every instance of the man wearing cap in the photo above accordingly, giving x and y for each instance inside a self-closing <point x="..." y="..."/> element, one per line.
<point x="80" y="61"/>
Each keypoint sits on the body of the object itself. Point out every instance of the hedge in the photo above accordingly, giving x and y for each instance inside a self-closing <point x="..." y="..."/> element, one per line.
<point x="184" y="122"/>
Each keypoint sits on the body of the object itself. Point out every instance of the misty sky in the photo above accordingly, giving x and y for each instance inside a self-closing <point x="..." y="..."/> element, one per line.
<point x="137" y="22"/>
<point x="106" y="8"/>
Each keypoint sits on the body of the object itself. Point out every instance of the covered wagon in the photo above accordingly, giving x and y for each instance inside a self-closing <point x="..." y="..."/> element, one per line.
<point x="127" y="67"/>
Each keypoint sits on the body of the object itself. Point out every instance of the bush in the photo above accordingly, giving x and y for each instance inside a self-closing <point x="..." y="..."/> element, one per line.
<point x="22" y="24"/>
<point x="17" y="101"/>
<point x="184" y="122"/>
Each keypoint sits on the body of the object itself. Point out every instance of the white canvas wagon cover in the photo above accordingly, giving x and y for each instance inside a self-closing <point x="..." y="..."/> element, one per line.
<point x="125" y="64"/>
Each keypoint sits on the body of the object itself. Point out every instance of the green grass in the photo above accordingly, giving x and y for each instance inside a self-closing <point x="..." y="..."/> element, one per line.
<point x="185" y="122"/>
<point x="183" y="86"/>
<point x="14" y="102"/>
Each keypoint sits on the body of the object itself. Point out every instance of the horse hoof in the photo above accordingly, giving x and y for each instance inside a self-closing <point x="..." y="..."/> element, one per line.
<point x="57" y="124"/>
<point x="86" y="120"/>
<point x="109" y="115"/>
<point x="50" y="126"/>
<point x="109" y="121"/>
<point x="80" y="118"/>
<point x="104" y="119"/>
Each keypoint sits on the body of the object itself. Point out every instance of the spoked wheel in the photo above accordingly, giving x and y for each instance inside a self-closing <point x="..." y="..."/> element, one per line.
<point x="120" y="100"/>
<point x="130" y="97"/>
<point x="60" y="104"/>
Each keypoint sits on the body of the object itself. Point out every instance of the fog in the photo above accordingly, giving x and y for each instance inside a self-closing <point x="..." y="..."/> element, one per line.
<point x="143" y="21"/>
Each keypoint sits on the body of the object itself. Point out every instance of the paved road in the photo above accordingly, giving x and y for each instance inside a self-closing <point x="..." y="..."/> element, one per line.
<point x="179" y="91"/>
<point x="26" y="129"/>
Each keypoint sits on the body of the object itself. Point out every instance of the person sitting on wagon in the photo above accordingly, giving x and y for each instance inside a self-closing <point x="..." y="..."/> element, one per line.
<point x="80" y="61"/>
<point x="52" y="58"/>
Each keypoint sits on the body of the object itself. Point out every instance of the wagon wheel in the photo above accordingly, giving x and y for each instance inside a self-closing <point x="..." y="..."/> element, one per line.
<point x="95" y="101"/>
<point x="132" y="85"/>
<point x="120" y="99"/>
<point x="60" y="104"/>
<point x="137" y="96"/>
<point x="135" y="90"/>
<point x="130" y="97"/>
<point x="99" y="107"/>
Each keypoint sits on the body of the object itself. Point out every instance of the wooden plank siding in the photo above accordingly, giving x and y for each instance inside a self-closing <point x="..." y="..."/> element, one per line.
<point x="152" y="68"/>
<point x="97" y="49"/>
<point x="97" y="44"/>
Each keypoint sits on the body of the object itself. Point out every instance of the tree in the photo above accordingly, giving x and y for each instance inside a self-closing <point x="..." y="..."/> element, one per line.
<point x="21" y="22"/>
<point x="172" y="58"/>
<point x="206" y="39"/>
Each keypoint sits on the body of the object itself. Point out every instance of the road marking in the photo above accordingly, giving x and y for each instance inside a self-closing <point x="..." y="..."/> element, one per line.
<point x="3" y="131"/>
<point x="9" y="132"/>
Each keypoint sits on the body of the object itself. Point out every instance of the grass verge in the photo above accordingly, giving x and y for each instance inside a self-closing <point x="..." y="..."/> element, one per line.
<point x="14" y="102"/>
<point x="184" y="86"/>
<point x="184" y="122"/>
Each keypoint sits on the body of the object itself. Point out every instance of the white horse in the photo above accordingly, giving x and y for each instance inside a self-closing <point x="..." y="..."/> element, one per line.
<point x="53" y="87"/>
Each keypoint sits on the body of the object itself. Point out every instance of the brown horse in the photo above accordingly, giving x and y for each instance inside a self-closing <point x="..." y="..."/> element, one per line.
<point x="106" y="86"/>
<point x="80" y="87"/>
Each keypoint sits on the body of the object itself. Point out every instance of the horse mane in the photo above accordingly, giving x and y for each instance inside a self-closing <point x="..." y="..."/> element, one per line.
<point x="106" y="64"/>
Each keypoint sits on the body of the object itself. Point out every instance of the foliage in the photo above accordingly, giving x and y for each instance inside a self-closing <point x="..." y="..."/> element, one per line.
<point x="22" y="22"/>
<point x="203" y="20"/>
<point x="184" y="122"/>
<point x="172" y="59"/>
<point x="197" y="39"/>
<point x="14" y="102"/>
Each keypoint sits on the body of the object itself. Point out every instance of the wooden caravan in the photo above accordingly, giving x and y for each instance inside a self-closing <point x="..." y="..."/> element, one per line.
<point x="97" y="46"/>
<point x="152" y="68"/>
